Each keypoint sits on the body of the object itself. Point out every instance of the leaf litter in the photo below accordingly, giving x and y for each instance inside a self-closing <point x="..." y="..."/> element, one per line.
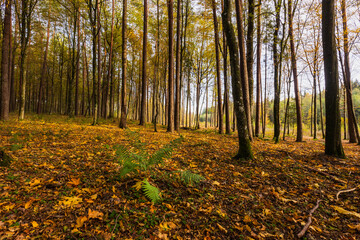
<point x="64" y="183"/>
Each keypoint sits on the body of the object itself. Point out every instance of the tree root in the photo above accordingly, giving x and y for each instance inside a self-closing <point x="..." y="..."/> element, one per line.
<point x="307" y="225"/>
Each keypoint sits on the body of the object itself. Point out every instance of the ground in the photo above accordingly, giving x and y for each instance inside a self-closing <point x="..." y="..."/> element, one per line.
<point x="64" y="183"/>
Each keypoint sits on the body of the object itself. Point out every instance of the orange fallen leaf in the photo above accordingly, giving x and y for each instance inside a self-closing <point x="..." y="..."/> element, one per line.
<point x="95" y="214"/>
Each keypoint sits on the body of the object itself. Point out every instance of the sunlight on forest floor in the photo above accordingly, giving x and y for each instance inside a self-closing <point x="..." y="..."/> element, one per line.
<point x="63" y="184"/>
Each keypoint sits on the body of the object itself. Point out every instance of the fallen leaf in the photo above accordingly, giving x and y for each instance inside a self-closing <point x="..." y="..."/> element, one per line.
<point x="80" y="221"/>
<point x="346" y="212"/>
<point x="34" y="224"/>
<point x="75" y="181"/>
<point x="222" y="228"/>
<point x="70" y="201"/>
<point x="34" y="182"/>
<point x="216" y="183"/>
<point x="95" y="214"/>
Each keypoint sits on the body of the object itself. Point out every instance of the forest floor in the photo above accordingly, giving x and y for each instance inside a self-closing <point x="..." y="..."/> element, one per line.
<point x="64" y="184"/>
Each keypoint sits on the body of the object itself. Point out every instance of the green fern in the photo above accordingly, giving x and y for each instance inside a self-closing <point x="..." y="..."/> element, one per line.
<point x="151" y="192"/>
<point x="138" y="158"/>
<point x="190" y="178"/>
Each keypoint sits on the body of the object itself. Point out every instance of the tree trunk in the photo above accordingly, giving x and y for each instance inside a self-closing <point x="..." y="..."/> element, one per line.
<point x="333" y="145"/>
<point x="299" y="133"/>
<point x="250" y="52"/>
<point x="177" y="78"/>
<point x="276" y="73"/>
<point x="258" y="72"/>
<point x="5" y="64"/>
<point x="124" y="66"/>
<point x="217" y="44"/>
<point x="144" y="68"/>
<point x="243" y="66"/>
<point x="245" y="151"/>
<point x="171" y="67"/>
<point x="352" y="125"/>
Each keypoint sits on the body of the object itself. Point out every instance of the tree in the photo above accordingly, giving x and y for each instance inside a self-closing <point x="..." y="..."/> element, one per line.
<point x="243" y="66"/>
<point x="170" y="123"/>
<point x="352" y="125"/>
<point x="217" y="44"/>
<point x="6" y="64"/>
<point x="144" y="68"/>
<point x="25" y="18"/>
<point x="178" y="66"/>
<point x="245" y="151"/>
<point x="258" y="72"/>
<point x="124" y="66"/>
<point x="299" y="135"/>
<point x="333" y="145"/>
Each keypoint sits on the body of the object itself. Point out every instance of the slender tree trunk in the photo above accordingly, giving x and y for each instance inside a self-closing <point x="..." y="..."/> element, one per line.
<point x="5" y="64"/>
<point x="178" y="64"/>
<point x="77" y="64"/>
<point x="352" y="125"/>
<point x="217" y="52"/>
<point x="299" y="133"/>
<point x="250" y="52"/>
<point x="144" y="68"/>
<point x="124" y="66"/>
<point x="245" y="151"/>
<point x="258" y="72"/>
<point x="171" y="67"/>
<point x="276" y="73"/>
<point x="333" y="145"/>
<point x="243" y="66"/>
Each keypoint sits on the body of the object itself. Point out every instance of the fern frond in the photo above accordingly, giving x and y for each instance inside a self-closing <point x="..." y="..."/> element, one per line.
<point x="190" y="178"/>
<point x="164" y="152"/>
<point x="151" y="192"/>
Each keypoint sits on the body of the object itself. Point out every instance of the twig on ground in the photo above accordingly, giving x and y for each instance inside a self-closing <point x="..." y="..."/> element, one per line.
<point x="344" y="191"/>
<point x="325" y="174"/>
<point x="307" y="225"/>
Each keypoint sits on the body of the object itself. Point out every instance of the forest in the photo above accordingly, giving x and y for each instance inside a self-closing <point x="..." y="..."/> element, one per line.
<point x="185" y="119"/>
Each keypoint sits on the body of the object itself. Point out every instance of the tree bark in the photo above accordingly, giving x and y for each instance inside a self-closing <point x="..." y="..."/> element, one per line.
<point x="299" y="133"/>
<point x="170" y="119"/>
<point x="5" y="64"/>
<point x="144" y="68"/>
<point x="352" y="125"/>
<point x="258" y="72"/>
<point x="124" y="66"/>
<point x="178" y="57"/>
<point x="276" y="73"/>
<point x="333" y="145"/>
<point x="243" y="66"/>
<point x="217" y="44"/>
<point x="245" y="151"/>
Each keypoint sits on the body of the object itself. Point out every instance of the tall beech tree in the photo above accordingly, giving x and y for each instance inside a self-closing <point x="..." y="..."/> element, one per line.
<point x="144" y="67"/>
<point x="245" y="151"/>
<point x="299" y="134"/>
<point x="25" y="15"/>
<point x="217" y="55"/>
<point x="6" y="64"/>
<point x="170" y="120"/>
<point x="243" y="65"/>
<point x="123" y="116"/>
<point x="333" y="145"/>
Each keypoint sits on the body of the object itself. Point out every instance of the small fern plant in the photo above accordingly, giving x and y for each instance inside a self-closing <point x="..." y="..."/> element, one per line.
<point x="137" y="158"/>
<point x="190" y="178"/>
